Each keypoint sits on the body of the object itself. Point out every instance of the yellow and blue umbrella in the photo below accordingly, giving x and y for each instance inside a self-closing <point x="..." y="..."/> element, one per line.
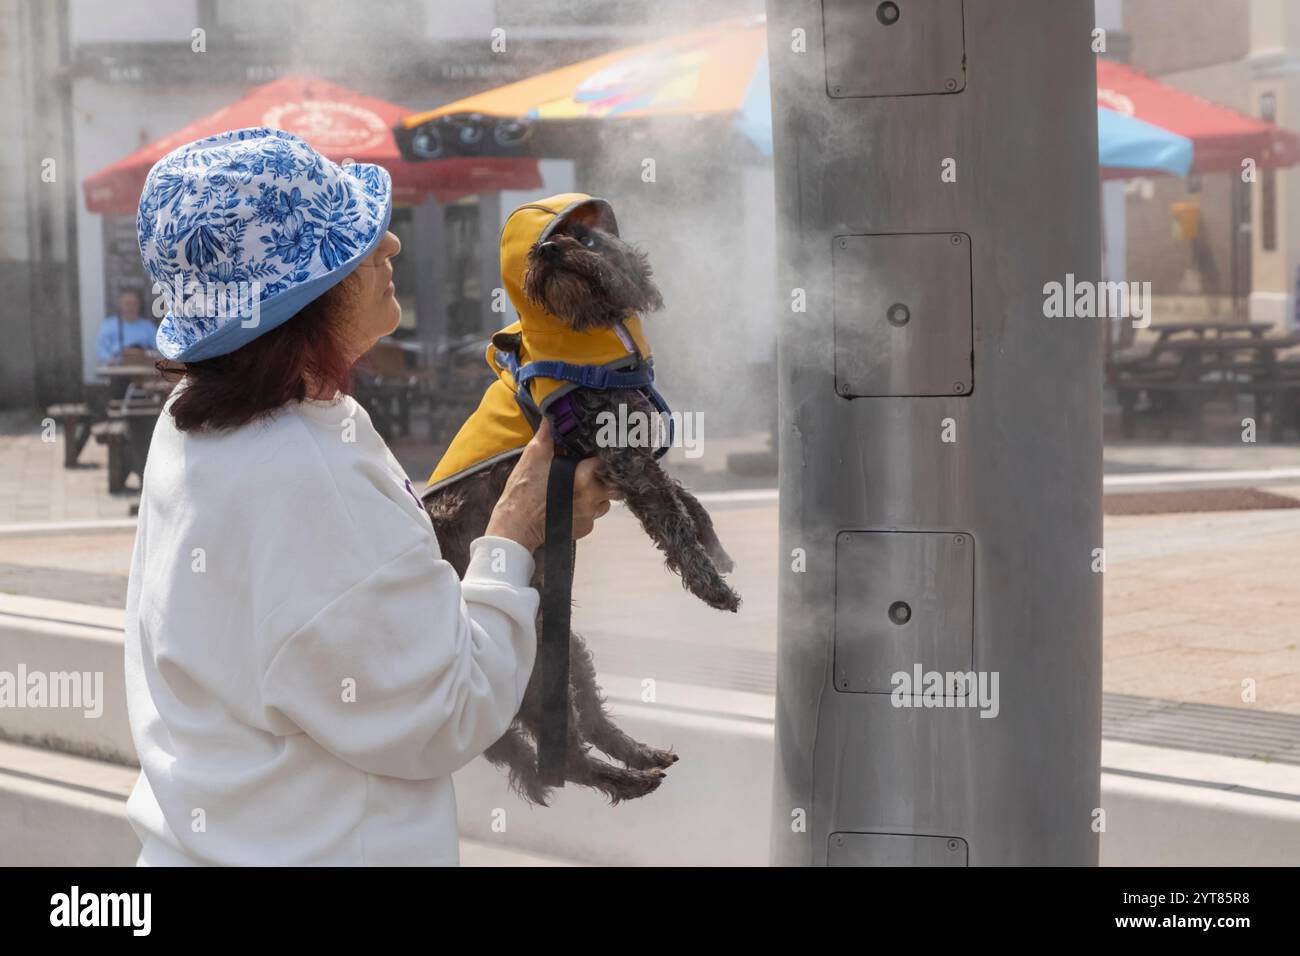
<point x="1144" y="127"/>
<point x="717" y="70"/>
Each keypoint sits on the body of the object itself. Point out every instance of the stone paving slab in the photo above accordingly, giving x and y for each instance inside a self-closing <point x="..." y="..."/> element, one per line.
<point x="35" y="487"/>
<point x="1198" y="606"/>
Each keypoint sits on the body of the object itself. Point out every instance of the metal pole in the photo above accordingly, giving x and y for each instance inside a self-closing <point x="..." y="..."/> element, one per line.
<point x="936" y="167"/>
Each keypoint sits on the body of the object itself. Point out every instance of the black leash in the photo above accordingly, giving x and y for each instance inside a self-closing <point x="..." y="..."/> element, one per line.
<point x="557" y="603"/>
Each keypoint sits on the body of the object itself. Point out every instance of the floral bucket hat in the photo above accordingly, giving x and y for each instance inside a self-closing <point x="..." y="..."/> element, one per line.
<point x="242" y="230"/>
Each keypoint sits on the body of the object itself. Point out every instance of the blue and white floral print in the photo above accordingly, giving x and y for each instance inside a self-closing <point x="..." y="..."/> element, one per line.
<point x="261" y="218"/>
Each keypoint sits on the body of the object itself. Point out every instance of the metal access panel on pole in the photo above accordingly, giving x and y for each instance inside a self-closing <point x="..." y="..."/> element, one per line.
<point x="939" y="675"/>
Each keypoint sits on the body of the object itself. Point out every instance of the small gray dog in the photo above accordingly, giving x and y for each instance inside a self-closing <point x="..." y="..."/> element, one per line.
<point x="579" y="271"/>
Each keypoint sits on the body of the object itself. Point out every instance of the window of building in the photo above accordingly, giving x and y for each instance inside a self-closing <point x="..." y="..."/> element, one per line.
<point x="1268" y="184"/>
<point x="463" y="285"/>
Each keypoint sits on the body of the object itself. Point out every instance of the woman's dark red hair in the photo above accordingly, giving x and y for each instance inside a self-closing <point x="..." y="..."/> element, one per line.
<point x="305" y="357"/>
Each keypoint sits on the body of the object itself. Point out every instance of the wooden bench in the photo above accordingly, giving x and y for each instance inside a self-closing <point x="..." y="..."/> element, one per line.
<point x="117" y="436"/>
<point x="137" y="414"/>
<point x="74" y="420"/>
<point x="1184" y="402"/>
<point x="1170" y="402"/>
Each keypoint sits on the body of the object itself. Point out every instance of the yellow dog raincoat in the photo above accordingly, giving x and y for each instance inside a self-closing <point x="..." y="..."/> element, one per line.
<point x="551" y="359"/>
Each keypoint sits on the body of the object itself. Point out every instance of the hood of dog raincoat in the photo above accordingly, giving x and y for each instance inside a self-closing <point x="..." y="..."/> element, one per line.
<point x="499" y="427"/>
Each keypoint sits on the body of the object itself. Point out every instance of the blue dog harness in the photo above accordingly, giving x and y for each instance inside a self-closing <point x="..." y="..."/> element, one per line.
<point x="564" y="417"/>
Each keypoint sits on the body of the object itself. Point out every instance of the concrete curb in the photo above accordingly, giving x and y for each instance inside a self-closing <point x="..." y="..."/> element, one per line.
<point x="713" y="808"/>
<point x="1186" y="808"/>
<point x="56" y="637"/>
<point x="61" y="810"/>
<point x="1174" y="824"/>
<point x="32" y="529"/>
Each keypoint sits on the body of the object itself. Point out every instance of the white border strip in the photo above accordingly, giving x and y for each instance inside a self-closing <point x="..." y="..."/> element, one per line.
<point x="747" y="495"/>
<point x="33" y="528"/>
<point x="1200" y="477"/>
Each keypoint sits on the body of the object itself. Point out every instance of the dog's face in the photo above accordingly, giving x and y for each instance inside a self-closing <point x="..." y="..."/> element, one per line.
<point x="589" y="278"/>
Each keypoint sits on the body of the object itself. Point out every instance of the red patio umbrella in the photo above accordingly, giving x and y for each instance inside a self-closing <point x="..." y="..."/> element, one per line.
<point x="1149" y="128"/>
<point x="338" y="122"/>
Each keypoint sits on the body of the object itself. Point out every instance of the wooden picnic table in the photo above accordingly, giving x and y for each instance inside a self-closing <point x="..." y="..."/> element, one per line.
<point x="1211" y="330"/>
<point x="121" y="375"/>
<point x="126" y="371"/>
<point x="1134" y="359"/>
<point x="1218" y="348"/>
<point x="137" y="393"/>
<point x="88" y="416"/>
<point x="1207" y="367"/>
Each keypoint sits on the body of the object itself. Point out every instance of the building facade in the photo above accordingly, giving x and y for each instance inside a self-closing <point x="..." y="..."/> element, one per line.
<point x="85" y="83"/>
<point x="1243" y="255"/>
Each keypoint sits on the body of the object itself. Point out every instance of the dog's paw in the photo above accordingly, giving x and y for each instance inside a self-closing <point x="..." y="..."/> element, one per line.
<point x="631" y="784"/>
<point x="664" y="758"/>
<point x="647" y="758"/>
<point x="721" y="597"/>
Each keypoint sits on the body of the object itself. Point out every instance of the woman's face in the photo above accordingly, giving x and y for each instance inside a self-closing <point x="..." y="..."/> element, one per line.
<point x="375" y="310"/>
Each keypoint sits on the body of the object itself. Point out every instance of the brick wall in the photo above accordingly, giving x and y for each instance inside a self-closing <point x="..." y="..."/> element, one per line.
<point x="1172" y="35"/>
<point x="1198" y="48"/>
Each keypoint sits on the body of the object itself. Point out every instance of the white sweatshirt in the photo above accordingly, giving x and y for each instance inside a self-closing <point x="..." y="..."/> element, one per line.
<point x="303" y="670"/>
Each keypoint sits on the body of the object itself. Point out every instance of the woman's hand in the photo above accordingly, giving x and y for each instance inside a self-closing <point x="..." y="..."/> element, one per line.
<point x="520" y="513"/>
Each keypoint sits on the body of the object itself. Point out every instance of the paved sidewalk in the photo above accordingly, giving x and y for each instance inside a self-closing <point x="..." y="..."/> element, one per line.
<point x="1202" y="607"/>
<point x="86" y="568"/>
<point x="1195" y="604"/>
<point x="35" y="487"/>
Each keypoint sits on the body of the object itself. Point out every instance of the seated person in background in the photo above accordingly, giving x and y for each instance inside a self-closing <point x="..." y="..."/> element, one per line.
<point x="126" y="330"/>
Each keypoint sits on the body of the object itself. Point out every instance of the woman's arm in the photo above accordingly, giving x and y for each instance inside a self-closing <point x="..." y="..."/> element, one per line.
<point x="411" y="672"/>
<point x="401" y="675"/>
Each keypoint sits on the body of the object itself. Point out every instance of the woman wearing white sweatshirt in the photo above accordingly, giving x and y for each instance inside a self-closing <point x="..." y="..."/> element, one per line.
<point x="304" y="672"/>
